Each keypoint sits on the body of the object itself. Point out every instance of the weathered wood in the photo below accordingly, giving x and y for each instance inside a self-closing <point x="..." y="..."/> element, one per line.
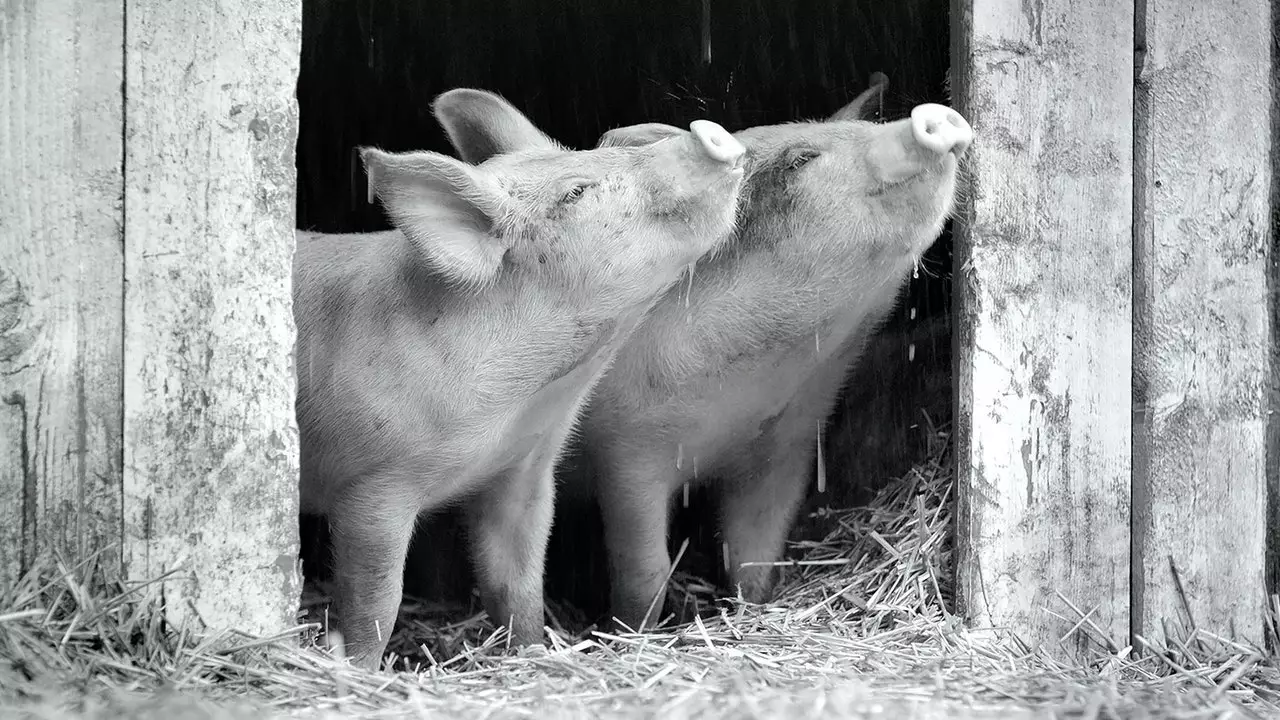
<point x="1043" y="336"/>
<point x="1203" y="351"/>
<point x="61" y="279"/>
<point x="210" y="438"/>
<point x="1273" y="424"/>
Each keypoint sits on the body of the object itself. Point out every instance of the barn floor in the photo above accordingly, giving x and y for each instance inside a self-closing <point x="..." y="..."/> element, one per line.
<point x="859" y="630"/>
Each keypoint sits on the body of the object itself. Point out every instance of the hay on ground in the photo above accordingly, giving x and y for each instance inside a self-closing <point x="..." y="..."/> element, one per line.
<point x="861" y="628"/>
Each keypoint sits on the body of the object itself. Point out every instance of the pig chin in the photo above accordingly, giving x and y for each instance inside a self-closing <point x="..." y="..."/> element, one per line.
<point x="924" y="182"/>
<point x="712" y="227"/>
<point x="932" y="195"/>
<point x="898" y="252"/>
<point x="908" y="240"/>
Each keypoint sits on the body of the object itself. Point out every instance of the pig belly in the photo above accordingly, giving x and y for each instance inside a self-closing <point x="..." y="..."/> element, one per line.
<point x="397" y="460"/>
<point x="737" y="411"/>
<point x="716" y="423"/>
<point x="802" y="380"/>
<point x="733" y="416"/>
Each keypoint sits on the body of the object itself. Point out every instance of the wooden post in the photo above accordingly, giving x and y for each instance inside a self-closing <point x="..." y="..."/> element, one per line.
<point x="1203" y="349"/>
<point x="1043" y="279"/>
<point x="210" y="441"/>
<point x="60" y="280"/>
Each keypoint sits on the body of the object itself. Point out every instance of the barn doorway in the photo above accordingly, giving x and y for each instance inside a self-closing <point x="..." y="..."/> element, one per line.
<point x="370" y="71"/>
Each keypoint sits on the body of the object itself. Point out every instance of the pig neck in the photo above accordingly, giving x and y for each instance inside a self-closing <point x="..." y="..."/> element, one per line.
<point x="753" y="300"/>
<point x="546" y="351"/>
<point x="529" y="369"/>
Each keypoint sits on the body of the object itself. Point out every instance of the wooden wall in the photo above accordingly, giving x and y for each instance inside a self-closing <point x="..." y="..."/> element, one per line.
<point x="61" y="278"/>
<point x="146" y="332"/>
<point x="1205" y="329"/>
<point x="1115" y="334"/>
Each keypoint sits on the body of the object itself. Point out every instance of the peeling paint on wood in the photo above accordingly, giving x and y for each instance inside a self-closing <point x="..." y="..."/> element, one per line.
<point x="60" y="280"/>
<point x="1044" y="260"/>
<point x="211" y="445"/>
<point x="1203" y="351"/>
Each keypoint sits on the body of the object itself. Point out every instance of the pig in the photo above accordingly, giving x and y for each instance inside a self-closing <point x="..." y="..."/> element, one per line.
<point x="732" y="376"/>
<point x="445" y="361"/>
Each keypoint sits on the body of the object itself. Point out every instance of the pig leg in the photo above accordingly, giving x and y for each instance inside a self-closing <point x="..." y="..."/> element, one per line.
<point x="633" y="501"/>
<point x="371" y="534"/>
<point x="758" y="504"/>
<point x="509" y="524"/>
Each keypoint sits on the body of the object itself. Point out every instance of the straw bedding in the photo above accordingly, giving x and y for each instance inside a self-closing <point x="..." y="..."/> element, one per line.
<point x="860" y="629"/>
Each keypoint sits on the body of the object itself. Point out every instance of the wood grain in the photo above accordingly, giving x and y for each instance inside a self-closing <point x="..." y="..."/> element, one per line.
<point x="61" y="277"/>
<point x="211" y="446"/>
<point x="1043" y="282"/>
<point x="1203" y="348"/>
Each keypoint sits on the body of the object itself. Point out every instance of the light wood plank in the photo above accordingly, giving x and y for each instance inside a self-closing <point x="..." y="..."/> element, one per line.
<point x="211" y="447"/>
<point x="1044" y="280"/>
<point x="1203" y="353"/>
<point x="61" y="279"/>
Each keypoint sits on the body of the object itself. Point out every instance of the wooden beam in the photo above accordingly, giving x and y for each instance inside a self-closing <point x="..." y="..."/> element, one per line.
<point x="1043" y="290"/>
<point x="61" y="280"/>
<point x="211" y="447"/>
<point x="1203" y="351"/>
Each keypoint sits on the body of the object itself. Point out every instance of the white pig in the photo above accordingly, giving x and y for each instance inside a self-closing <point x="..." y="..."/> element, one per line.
<point x="731" y="378"/>
<point x="446" y="361"/>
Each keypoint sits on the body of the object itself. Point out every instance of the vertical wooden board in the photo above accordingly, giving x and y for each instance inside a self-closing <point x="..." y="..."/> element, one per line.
<point x="61" y="279"/>
<point x="211" y="448"/>
<point x="1273" y="431"/>
<point x="1043" y="286"/>
<point x="1203" y="355"/>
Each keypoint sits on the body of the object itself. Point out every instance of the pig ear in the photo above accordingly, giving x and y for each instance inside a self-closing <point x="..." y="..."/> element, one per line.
<point x="637" y="135"/>
<point x="481" y="124"/>
<point x="446" y="208"/>
<point x="867" y="105"/>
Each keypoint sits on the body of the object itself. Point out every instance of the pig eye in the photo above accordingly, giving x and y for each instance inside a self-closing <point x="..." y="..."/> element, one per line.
<point x="575" y="193"/>
<point x="800" y="158"/>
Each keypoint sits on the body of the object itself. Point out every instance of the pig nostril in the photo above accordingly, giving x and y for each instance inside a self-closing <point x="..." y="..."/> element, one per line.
<point x="940" y="129"/>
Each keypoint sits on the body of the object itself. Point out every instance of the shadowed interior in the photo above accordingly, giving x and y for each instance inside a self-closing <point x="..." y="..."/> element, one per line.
<point x="578" y="68"/>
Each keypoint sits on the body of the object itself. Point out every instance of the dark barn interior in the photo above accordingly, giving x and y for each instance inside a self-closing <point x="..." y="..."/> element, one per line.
<point x="371" y="69"/>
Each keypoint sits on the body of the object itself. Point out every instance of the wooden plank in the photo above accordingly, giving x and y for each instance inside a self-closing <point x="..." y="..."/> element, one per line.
<point x="1273" y="424"/>
<point x="61" y="279"/>
<point x="1203" y="353"/>
<point x="1043" y="290"/>
<point x="211" y="447"/>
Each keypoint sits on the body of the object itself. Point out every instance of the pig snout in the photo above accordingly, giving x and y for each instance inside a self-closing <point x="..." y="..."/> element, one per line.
<point x="932" y="136"/>
<point x="716" y="142"/>
<point x="940" y="129"/>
